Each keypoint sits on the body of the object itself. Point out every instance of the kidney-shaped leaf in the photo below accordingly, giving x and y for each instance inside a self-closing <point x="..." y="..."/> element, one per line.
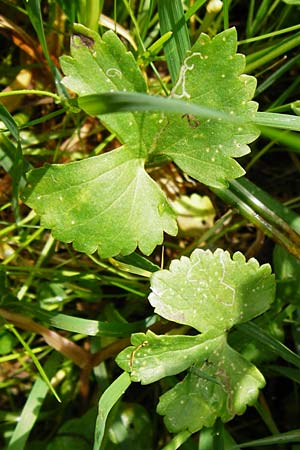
<point x="153" y="357"/>
<point x="212" y="290"/>
<point x="100" y="203"/>
<point x="222" y="386"/>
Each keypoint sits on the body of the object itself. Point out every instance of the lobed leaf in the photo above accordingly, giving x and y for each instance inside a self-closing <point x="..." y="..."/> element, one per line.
<point x="212" y="291"/>
<point x="198" y="401"/>
<point x="153" y="357"/>
<point x="211" y="76"/>
<point x="83" y="204"/>
<point x="98" y="65"/>
<point x="109" y="202"/>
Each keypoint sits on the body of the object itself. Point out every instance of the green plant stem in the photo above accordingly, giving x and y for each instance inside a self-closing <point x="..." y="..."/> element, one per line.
<point x="31" y="92"/>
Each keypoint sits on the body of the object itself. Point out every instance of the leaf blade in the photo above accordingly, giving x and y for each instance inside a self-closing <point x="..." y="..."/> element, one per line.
<point x="73" y="198"/>
<point x="210" y="291"/>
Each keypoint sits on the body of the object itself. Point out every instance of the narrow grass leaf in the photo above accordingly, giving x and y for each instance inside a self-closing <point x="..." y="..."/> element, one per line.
<point x="263" y="211"/>
<point x="79" y="325"/>
<point x="275" y="120"/>
<point x="177" y="441"/>
<point x="112" y="102"/>
<point x="273" y="345"/>
<point x="33" y="405"/>
<point x="109" y="398"/>
<point x="33" y="8"/>
<point x="280" y="439"/>
<point x="287" y="372"/>
<point x="226" y="14"/>
<point x="291" y="140"/>
<point x="194" y="8"/>
<point x="95" y="327"/>
<point x="171" y="18"/>
<point x="9" y="121"/>
<point x="36" y="362"/>
<point x="11" y="158"/>
<point x="270" y="54"/>
<point x="275" y="76"/>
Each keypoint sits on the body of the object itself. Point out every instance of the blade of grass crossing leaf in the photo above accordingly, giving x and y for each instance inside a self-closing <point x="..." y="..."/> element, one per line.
<point x="263" y="338"/>
<point x="33" y="405"/>
<point x="97" y="104"/>
<point x="171" y="18"/>
<point x="35" y="360"/>
<point x="109" y="398"/>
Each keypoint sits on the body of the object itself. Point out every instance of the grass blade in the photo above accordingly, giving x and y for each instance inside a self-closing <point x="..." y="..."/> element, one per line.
<point x="177" y="441"/>
<point x="263" y="211"/>
<point x="33" y="8"/>
<point x="282" y="438"/>
<point x="38" y="365"/>
<point x="194" y="8"/>
<point x="275" y="120"/>
<point x="106" y="103"/>
<point x="12" y="159"/>
<point x="87" y="327"/>
<point x="269" y="55"/>
<point x="33" y="405"/>
<point x="273" y="345"/>
<point x="171" y="17"/>
<point x="291" y="140"/>
<point x="109" y="398"/>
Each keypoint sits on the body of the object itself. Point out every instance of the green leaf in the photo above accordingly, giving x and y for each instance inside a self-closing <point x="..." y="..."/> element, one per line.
<point x="30" y="412"/>
<point x="103" y="65"/>
<point x="211" y="290"/>
<point x="109" y="202"/>
<point x="211" y="76"/>
<point x="196" y="402"/>
<point x="105" y="214"/>
<point x="153" y="357"/>
<point x="109" y="398"/>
